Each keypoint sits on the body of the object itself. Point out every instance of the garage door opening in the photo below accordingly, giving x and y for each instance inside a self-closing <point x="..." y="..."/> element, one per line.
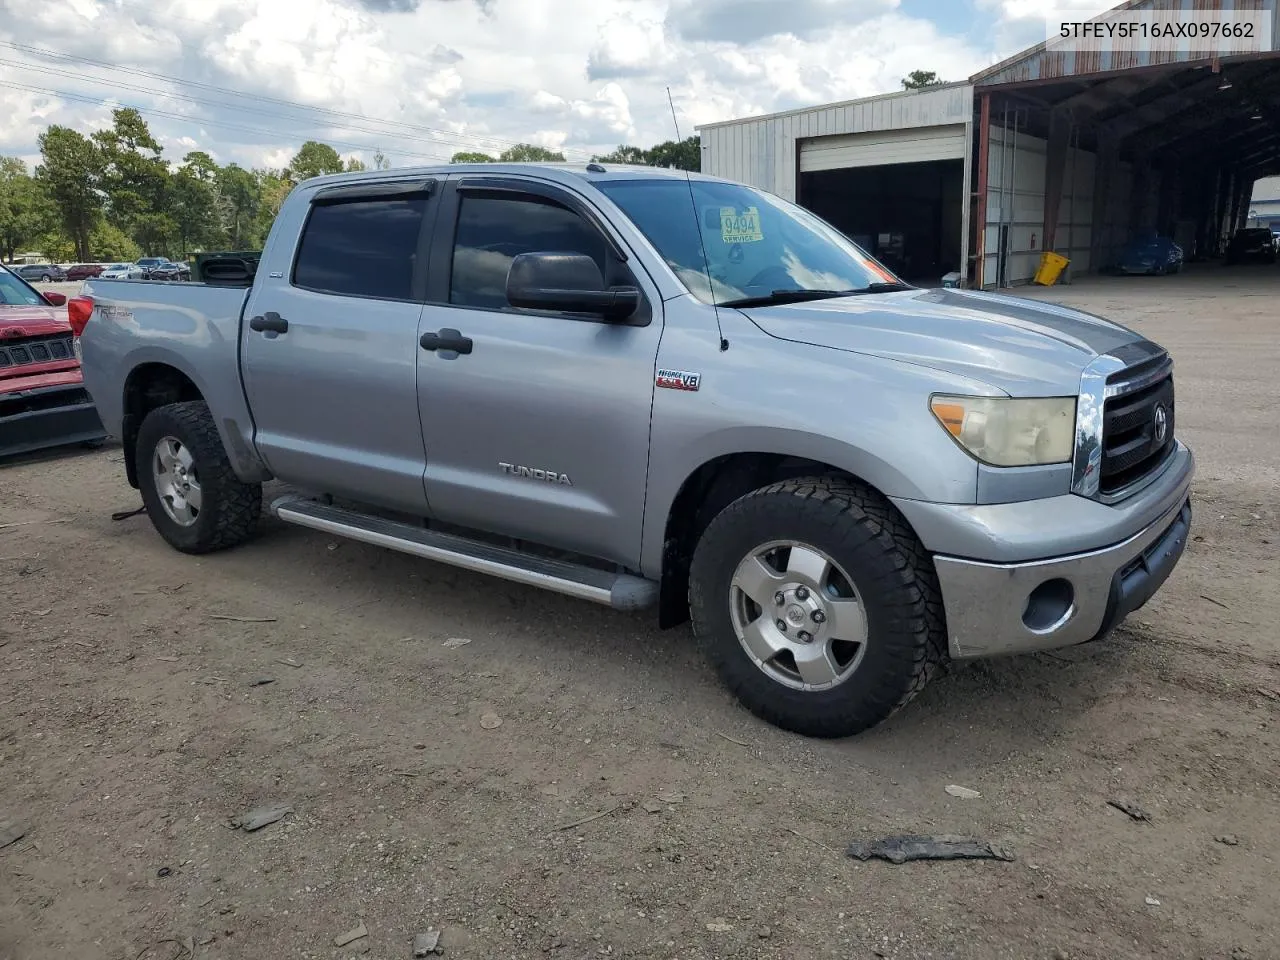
<point x="907" y="215"/>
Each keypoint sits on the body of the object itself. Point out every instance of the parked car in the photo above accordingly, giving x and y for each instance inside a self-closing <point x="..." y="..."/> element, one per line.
<point x="43" y="402"/>
<point x="646" y="388"/>
<point x="44" y="272"/>
<point x="1151" y="254"/>
<point x="170" y="270"/>
<point x="83" y="271"/>
<point x="151" y="264"/>
<point x="122" y="271"/>
<point x="1251" y="245"/>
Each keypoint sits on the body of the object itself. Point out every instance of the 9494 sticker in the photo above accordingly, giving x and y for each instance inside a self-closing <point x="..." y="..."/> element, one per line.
<point x="678" y="380"/>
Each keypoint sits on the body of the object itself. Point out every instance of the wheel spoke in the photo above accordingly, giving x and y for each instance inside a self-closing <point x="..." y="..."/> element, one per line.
<point x="183" y="456"/>
<point x="182" y="510"/>
<point x="193" y="495"/>
<point x="816" y="664"/>
<point x="846" y="621"/>
<point x="808" y="564"/>
<point x="762" y="639"/>
<point x="754" y="578"/>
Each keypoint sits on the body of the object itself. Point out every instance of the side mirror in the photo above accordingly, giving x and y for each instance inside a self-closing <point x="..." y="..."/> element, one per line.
<point x="568" y="283"/>
<point x="55" y="299"/>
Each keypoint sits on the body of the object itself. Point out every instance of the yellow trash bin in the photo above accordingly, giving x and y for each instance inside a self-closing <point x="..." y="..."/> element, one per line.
<point x="1051" y="267"/>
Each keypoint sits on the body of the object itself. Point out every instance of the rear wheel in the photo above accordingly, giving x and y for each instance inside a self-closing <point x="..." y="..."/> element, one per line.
<point x="192" y="495"/>
<point x="818" y="606"/>
<point x="45" y="277"/>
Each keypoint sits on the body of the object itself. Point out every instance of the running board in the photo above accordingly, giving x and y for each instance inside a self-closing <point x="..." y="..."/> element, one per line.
<point x="620" y="591"/>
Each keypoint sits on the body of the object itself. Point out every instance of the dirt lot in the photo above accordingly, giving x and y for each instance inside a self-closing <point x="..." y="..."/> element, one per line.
<point x="131" y="730"/>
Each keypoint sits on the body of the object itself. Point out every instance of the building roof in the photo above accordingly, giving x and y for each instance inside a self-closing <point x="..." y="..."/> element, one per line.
<point x="895" y="95"/>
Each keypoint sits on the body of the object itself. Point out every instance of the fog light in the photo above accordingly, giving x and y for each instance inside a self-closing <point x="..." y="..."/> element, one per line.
<point x="1049" y="605"/>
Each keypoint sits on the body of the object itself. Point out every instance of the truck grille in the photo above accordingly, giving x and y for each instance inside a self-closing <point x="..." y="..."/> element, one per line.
<point x="1137" y="424"/>
<point x="36" y="350"/>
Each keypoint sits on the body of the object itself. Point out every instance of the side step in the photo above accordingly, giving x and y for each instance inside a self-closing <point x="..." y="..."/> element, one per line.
<point x="617" y="590"/>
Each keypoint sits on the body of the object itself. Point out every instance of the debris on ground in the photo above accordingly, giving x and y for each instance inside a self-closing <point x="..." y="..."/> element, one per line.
<point x="914" y="847"/>
<point x="351" y="936"/>
<point x="221" y="616"/>
<point x="262" y="817"/>
<point x="1134" y="811"/>
<point x="653" y="806"/>
<point x="1152" y="902"/>
<point x="964" y="793"/>
<point x="164" y="872"/>
<point x="11" y="831"/>
<point x="595" y="816"/>
<point x="454" y="642"/>
<point x="262" y="681"/>
<point x="425" y="944"/>
<point x="1230" y="839"/>
<point x="725" y="736"/>
<point x="491" y="721"/>
<point x="719" y="926"/>
<point x="168" y="659"/>
<point x="288" y="662"/>
<point x="671" y="797"/>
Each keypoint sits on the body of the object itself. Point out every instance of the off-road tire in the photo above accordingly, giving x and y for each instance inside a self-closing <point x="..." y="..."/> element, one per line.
<point x="895" y="577"/>
<point x="231" y="509"/>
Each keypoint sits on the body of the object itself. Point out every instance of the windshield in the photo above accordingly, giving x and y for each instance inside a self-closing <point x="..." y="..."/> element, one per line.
<point x="728" y="242"/>
<point x="15" y="293"/>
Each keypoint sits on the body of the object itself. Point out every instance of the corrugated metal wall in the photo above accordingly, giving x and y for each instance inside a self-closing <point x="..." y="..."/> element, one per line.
<point x="764" y="151"/>
<point x="882" y="148"/>
<point x="1016" y="173"/>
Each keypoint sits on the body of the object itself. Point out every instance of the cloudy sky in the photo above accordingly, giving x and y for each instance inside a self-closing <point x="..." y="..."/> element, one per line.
<point x="248" y="80"/>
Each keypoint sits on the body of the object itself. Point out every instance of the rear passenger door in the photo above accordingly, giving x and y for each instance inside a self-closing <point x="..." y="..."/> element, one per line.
<point x="329" y="343"/>
<point x="541" y="431"/>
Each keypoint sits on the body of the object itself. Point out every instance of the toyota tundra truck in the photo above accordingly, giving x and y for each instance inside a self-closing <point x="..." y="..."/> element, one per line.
<point x="646" y="388"/>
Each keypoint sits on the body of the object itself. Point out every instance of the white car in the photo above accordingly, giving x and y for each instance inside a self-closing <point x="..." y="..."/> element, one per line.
<point x="122" y="271"/>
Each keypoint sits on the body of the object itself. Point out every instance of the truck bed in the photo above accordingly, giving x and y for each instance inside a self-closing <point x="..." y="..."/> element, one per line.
<point x="194" y="328"/>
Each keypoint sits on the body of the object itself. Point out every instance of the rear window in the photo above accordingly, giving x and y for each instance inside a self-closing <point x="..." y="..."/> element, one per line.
<point x="363" y="248"/>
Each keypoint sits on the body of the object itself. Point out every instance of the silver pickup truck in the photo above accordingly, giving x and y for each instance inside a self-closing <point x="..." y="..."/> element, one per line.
<point x="646" y="388"/>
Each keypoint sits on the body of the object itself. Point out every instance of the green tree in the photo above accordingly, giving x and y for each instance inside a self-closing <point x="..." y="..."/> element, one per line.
<point x="625" y="154"/>
<point x="240" y="195"/>
<point x="919" y="79"/>
<point x="71" y="172"/>
<point x="380" y="161"/>
<point x="468" y="157"/>
<point x="530" y="153"/>
<point x="194" y="209"/>
<point x="25" y="211"/>
<point x="274" y="186"/>
<point x="110" y="244"/>
<point x="355" y="166"/>
<point x="685" y="154"/>
<point x="314" y="159"/>
<point x="135" y="177"/>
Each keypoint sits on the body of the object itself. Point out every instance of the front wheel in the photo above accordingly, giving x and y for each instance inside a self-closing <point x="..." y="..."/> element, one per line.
<point x="817" y="606"/>
<point x="192" y="495"/>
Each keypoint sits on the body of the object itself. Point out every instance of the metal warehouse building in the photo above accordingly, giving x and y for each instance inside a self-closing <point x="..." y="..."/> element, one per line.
<point x="1076" y="152"/>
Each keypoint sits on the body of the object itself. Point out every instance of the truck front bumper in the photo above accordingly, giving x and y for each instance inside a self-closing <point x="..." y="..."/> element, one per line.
<point x="47" y="417"/>
<point x="995" y="607"/>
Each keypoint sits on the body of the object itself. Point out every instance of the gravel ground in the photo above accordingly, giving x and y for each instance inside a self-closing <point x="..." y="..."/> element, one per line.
<point x="133" y="729"/>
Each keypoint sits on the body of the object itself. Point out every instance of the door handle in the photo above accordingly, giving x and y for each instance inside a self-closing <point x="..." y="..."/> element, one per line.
<point x="446" y="339"/>
<point x="269" y="322"/>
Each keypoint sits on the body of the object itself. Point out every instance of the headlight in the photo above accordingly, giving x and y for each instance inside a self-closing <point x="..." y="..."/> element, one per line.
<point x="1010" y="431"/>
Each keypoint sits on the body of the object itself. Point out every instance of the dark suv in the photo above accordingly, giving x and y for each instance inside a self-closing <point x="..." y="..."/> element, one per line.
<point x="1252" y="245"/>
<point x="46" y="272"/>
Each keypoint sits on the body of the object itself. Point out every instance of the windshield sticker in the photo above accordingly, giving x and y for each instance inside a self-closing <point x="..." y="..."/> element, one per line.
<point x="740" y="227"/>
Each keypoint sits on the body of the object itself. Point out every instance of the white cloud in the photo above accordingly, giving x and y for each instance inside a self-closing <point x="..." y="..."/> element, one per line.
<point x="422" y="79"/>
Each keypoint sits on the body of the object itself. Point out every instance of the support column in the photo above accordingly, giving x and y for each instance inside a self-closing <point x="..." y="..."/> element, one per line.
<point x="1101" y="241"/>
<point x="1055" y="168"/>
<point x="984" y="162"/>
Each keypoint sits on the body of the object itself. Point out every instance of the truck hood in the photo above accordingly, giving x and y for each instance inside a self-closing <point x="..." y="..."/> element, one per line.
<point x="31" y="321"/>
<point x="1023" y="347"/>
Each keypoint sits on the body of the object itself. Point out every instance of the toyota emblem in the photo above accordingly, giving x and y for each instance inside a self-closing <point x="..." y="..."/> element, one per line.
<point x="1161" y="423"/>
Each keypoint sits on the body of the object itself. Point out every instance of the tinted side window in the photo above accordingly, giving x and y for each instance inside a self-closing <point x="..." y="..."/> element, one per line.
<point x="493" y="231"/>
<point x="365" y="248"/>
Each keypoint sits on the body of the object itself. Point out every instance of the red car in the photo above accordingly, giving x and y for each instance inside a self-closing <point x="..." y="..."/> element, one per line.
<point x="43" y="402"/>
<point x="84" y="271"/>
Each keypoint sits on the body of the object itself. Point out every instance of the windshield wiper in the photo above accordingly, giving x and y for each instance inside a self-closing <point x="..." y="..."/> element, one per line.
<point x="786" y="296"/>
<point x="883" y="288"/>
